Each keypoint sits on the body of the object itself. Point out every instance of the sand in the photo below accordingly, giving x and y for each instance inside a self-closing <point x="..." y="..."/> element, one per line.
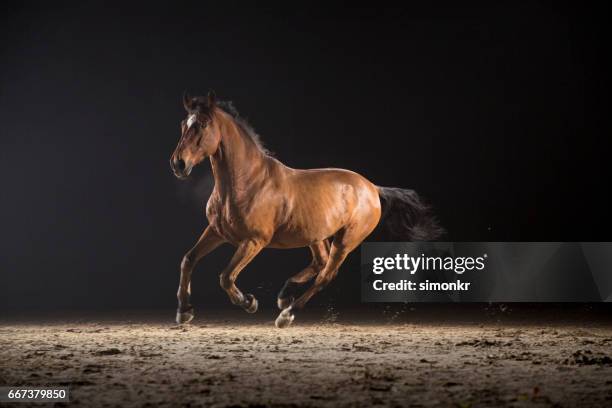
<point x="228" y="363"/>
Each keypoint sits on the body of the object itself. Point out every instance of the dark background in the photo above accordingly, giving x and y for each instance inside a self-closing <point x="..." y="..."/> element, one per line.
<point x="494" y="113"/>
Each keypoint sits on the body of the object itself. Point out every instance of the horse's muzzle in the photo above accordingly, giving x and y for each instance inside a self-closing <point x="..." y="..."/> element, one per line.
<point x="180" y="169"/>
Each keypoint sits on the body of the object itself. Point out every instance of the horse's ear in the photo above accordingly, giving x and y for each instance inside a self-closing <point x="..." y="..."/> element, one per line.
<point x="212" y="99"/>
<point x="186" y="101"/>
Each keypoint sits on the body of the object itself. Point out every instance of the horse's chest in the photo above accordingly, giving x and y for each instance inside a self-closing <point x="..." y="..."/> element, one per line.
<point x="233" y="222"/>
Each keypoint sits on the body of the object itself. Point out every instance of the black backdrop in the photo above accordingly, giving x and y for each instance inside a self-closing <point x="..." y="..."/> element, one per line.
<point x="494" y="113"/>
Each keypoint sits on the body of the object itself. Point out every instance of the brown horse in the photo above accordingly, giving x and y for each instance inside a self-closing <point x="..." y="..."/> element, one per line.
<point x="258" y="202"/>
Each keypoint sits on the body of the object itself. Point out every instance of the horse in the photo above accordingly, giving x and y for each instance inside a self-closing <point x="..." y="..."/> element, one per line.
<point x="258" y="202"/>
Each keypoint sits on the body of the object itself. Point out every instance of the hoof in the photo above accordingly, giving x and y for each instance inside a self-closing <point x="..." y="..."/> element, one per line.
<point x="252" y="303"/>
<point x="284" y="319"/>
<point x="284" y="303"/>
<point x="184" y="317"/>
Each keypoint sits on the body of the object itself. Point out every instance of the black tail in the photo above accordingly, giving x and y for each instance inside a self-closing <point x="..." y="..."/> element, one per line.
<point x="405" y="217"/>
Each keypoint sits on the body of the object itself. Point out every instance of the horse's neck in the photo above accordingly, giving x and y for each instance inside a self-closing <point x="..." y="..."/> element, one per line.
<point x="237" y="163"/>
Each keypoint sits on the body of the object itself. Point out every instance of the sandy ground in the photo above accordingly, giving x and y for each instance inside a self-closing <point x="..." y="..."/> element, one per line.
<point x="250" y="363"/>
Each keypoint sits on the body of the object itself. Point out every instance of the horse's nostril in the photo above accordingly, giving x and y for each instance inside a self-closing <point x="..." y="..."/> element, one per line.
<point x="179" y="164"/>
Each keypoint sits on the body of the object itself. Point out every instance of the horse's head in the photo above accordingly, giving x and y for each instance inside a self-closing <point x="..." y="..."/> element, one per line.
<point x="200" y="136"/>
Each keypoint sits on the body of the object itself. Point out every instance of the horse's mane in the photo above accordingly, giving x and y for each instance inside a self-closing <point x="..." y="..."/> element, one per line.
<point x="229" y="108"/>
<point x="200" y="104"/>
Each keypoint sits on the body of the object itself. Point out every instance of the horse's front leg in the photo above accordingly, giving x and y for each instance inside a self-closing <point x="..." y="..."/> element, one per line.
<point x="208" y="241"/>
<point x="246" y="251"/>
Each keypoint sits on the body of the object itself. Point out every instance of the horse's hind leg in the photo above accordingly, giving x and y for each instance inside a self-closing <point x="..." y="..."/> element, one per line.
<point x="208" y="241"/>
<point x="343" y="243"/>
<point x="320" y="255"/>
<point x="337" y="255"/>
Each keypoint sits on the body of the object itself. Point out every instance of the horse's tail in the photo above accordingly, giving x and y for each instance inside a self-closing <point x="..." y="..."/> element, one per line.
<point x="405" y="217"/>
